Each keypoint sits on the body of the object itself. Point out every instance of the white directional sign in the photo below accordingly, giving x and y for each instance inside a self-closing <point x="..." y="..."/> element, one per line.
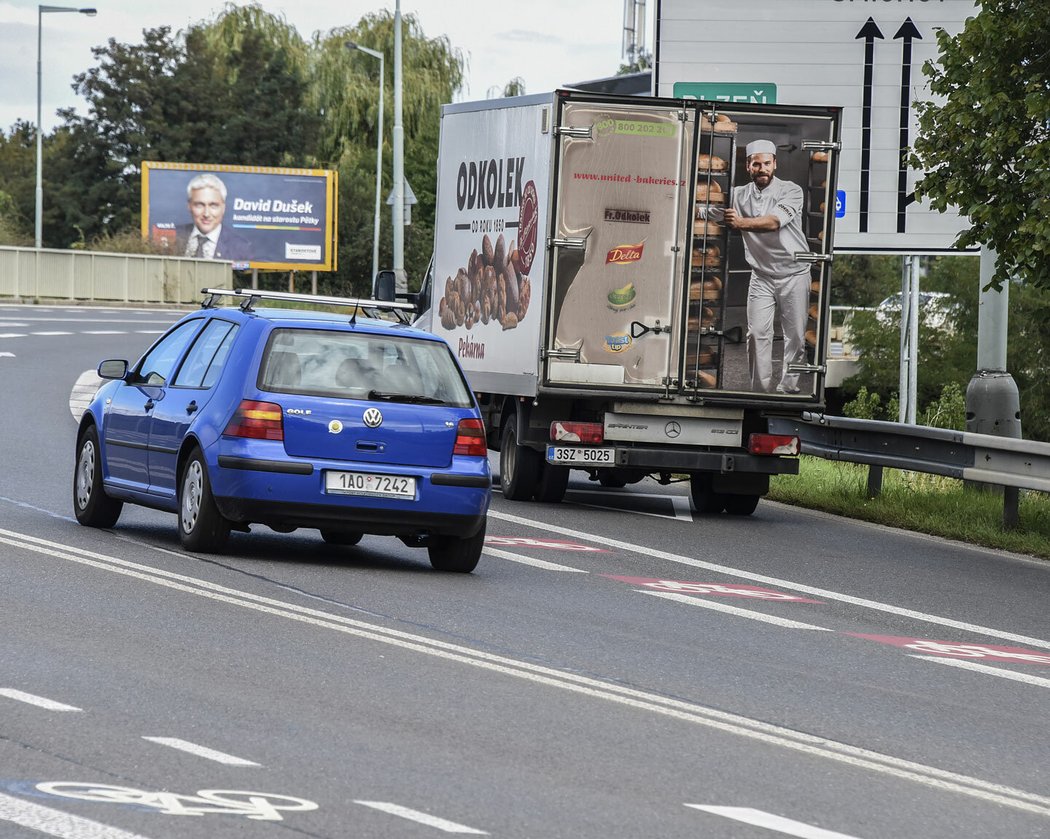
<point x="863" y="55"/>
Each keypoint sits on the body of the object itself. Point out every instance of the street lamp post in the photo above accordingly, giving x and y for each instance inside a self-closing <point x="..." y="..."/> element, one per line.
<point x="379" y="154"/>
<point x="41" y="11"/>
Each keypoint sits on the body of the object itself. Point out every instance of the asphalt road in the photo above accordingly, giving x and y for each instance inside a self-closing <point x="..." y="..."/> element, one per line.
<point x="614" y="668"/>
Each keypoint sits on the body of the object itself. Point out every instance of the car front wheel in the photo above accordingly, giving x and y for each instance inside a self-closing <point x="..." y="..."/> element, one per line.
<point x="93" y="508"/>
<point x="450" y="553"/>
<point x="202" y="527"/>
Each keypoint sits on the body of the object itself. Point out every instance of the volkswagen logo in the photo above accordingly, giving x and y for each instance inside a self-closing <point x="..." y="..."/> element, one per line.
<point x="373" y="418"/>
<point x="672" y="429"/>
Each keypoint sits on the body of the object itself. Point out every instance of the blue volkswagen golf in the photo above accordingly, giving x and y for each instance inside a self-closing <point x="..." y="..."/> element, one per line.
<point x="291" y="418"/>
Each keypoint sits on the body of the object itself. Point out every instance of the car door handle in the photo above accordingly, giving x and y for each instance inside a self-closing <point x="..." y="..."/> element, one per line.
<point x="192" y="407"/>
<point x="149" y="405"/>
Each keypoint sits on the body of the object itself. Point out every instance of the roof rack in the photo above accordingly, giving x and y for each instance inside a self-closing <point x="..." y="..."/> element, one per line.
<point x="250" y="297"/>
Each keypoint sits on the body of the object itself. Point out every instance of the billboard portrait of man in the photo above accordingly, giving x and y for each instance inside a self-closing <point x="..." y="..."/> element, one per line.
<point x="206" y="237"/>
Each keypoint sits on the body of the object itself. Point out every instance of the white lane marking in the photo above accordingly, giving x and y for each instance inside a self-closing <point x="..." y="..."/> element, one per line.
<point x="528" y="560"/>
<point x="12" y="335"/>
<point x="102" y="332"/>
<point x="1038" y="681"/>
<point x="50" y="333"/>
<point x="39" y="701"/>
<point x="149" y="331"/>
<point x="7" y="355"/>
<point x="759" y="818"/>
<point x="12" y="325"/>
<point x="57" y="823"/>
<point x="693" y="600"/>
<point x="422" y="818"/>
<point x="771" y="581"/>
<point x="84" y="390"/>
<point x="724" y="721"/>
<point x="201" y="751"/>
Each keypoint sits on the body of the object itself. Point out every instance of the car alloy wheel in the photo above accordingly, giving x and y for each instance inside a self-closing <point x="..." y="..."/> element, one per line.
<point x="192" y="487"/>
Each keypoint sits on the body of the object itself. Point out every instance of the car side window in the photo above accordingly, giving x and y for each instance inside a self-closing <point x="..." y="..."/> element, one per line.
<point x="157" y="365"/>
<point x="207" y="356"/>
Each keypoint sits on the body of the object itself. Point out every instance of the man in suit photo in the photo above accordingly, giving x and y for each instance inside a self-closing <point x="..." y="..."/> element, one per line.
<point x="206" y="237"/>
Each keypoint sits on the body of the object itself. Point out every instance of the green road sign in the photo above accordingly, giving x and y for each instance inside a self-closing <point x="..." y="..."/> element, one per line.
<point x="764" y="93"/>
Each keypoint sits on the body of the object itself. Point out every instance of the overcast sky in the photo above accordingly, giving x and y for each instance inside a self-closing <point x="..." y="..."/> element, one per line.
<point x="546" y="42"/>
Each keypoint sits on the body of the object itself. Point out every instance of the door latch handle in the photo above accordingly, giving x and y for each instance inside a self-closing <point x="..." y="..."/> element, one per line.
<point x="149" y="405"/>
<point x="192" y="407"/>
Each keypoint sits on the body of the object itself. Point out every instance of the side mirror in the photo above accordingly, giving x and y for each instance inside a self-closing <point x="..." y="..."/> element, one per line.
<point x="384" y="288"/>
<point x="113" y="368"/>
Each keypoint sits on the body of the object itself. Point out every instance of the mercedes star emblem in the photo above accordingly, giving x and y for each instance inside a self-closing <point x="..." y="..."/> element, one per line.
<point x="672" y="429"/>
<point x="373" y="418"/>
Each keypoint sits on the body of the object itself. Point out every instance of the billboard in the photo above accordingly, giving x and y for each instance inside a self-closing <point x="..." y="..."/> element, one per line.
<point x="866" y="57"/>
<point x="252" y="216"/>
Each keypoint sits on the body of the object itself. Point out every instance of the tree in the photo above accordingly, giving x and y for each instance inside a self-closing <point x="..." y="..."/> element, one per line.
<point x="986" y="147"/>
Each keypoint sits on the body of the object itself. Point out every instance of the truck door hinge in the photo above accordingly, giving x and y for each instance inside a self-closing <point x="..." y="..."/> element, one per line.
<point x="582" y="132"/>
<point x="566" y="354"/>
<point x="807" y="368"/>
<point x="821" y="145"/>
<point x="807" y="256"/>
<point x="571" y="243"/>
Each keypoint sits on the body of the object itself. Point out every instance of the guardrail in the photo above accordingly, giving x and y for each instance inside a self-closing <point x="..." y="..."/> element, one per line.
<point x="31" y="274"/>
<point x="1008" y="462"/>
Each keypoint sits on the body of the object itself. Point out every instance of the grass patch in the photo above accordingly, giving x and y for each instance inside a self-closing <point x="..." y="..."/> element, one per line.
<point x="920" y="502"/>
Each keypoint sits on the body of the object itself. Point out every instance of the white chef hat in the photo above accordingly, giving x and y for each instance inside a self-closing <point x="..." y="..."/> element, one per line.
<point x="761" y="147"/>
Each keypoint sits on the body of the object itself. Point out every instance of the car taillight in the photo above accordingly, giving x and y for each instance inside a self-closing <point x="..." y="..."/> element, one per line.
<point x="773" y="444"/>
<point x="261" y="420"/>
<point x="470" y="438"/>
<point x="577" y="432"/>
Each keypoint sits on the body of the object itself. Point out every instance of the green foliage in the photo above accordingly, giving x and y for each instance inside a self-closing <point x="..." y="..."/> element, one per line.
<point x="639" y="61"/>
<point x="864" y="280"/>
<point x="864" y="405"/>
<point x="948" y="410"/>
<point x="986" y="146"/>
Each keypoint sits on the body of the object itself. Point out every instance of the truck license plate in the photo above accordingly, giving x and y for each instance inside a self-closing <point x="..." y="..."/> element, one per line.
<point x="364" y="483"/>
<point x="581" y="455"/>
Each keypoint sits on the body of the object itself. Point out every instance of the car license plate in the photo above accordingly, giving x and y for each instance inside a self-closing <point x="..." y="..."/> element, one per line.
<point x="581" y="455"/>
<point x="365" y="483"/>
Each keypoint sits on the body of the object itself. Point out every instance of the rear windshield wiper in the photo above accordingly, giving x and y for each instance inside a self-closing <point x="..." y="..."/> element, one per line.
<point x="413" y="398"/>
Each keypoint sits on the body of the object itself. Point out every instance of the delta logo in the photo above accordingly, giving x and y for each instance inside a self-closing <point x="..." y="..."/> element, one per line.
<point x="625" y="254"/>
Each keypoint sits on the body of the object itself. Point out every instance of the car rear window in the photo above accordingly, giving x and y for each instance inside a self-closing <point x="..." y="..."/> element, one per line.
<point x="360" y="365"/>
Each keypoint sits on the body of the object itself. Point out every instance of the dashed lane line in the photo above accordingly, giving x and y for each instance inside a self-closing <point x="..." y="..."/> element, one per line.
<point x="39" y="701"/>
<point x="687" y="712"/>
<point x="730" y="571"/>
<point x="201" y="751"/>
<point x="760" y="818"/>
<point x="973" y="666"/>
<point x="55" y="822"/>
<point x="50" y="334"/>
<point x="421" y="818"/>
<point x="725" y="608"/>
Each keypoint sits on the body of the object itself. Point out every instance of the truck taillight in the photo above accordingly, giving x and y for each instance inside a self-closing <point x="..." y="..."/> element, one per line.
<point x="470" y="438"/>
<point x="773" y="444"/>
<point x="577" y="432"/>
<point x="259" y="420"/>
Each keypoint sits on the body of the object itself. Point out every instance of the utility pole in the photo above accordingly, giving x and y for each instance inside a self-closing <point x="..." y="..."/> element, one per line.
<point x="400" y="280"/>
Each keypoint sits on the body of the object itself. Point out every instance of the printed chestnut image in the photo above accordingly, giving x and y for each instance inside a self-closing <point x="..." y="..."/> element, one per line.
<point x="490" y="288"/>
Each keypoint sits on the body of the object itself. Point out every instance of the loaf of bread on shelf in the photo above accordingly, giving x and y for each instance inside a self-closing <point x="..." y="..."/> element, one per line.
<point x="702" y="227"/>
<point x="710" y="163"/>
<point x="819" y="157"/>
<point x="709" y="257"/>
<point x="708" y="289"/>
<point x="709" y="193"/>
<point x="720" y="123"/>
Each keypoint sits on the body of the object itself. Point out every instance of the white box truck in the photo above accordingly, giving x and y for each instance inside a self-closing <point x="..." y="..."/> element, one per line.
<point x="591" y="280"/>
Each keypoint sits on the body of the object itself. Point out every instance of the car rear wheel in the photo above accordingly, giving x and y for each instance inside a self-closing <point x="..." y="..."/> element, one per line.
<point x="450" y="553"/>
<point x="705" y="499"/>
<point x="741" y="505"/>
<point x="519" y="466"/>
<point x="93" y="508"/>
<point x="341" y="537"/>
<point x="202" y="527"/>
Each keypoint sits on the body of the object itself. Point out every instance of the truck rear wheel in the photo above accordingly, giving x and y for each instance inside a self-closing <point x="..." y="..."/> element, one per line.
<point x="519" y="466"/>
<point x="740" y="505"/>
<point x="705" y="499"/>
<point x="552" y="483"/>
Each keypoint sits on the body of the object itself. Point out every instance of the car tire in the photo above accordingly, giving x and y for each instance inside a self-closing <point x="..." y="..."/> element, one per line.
<point x="202" y="528"/>
<point x="450" y="553"/>
<point x="741" y="505"/>
<point x="519" y="466"/>
<point x="91" y="505"/>
<point x="705" y="499"/>
<point x="341" y="537"/>
<point x="553" y="481"/>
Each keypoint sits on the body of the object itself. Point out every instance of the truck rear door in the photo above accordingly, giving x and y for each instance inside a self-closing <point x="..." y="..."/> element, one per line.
<point x="622" y="197"/>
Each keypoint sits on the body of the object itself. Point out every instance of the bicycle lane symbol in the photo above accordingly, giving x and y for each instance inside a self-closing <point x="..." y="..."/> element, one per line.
<point x="259" y="806"/>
